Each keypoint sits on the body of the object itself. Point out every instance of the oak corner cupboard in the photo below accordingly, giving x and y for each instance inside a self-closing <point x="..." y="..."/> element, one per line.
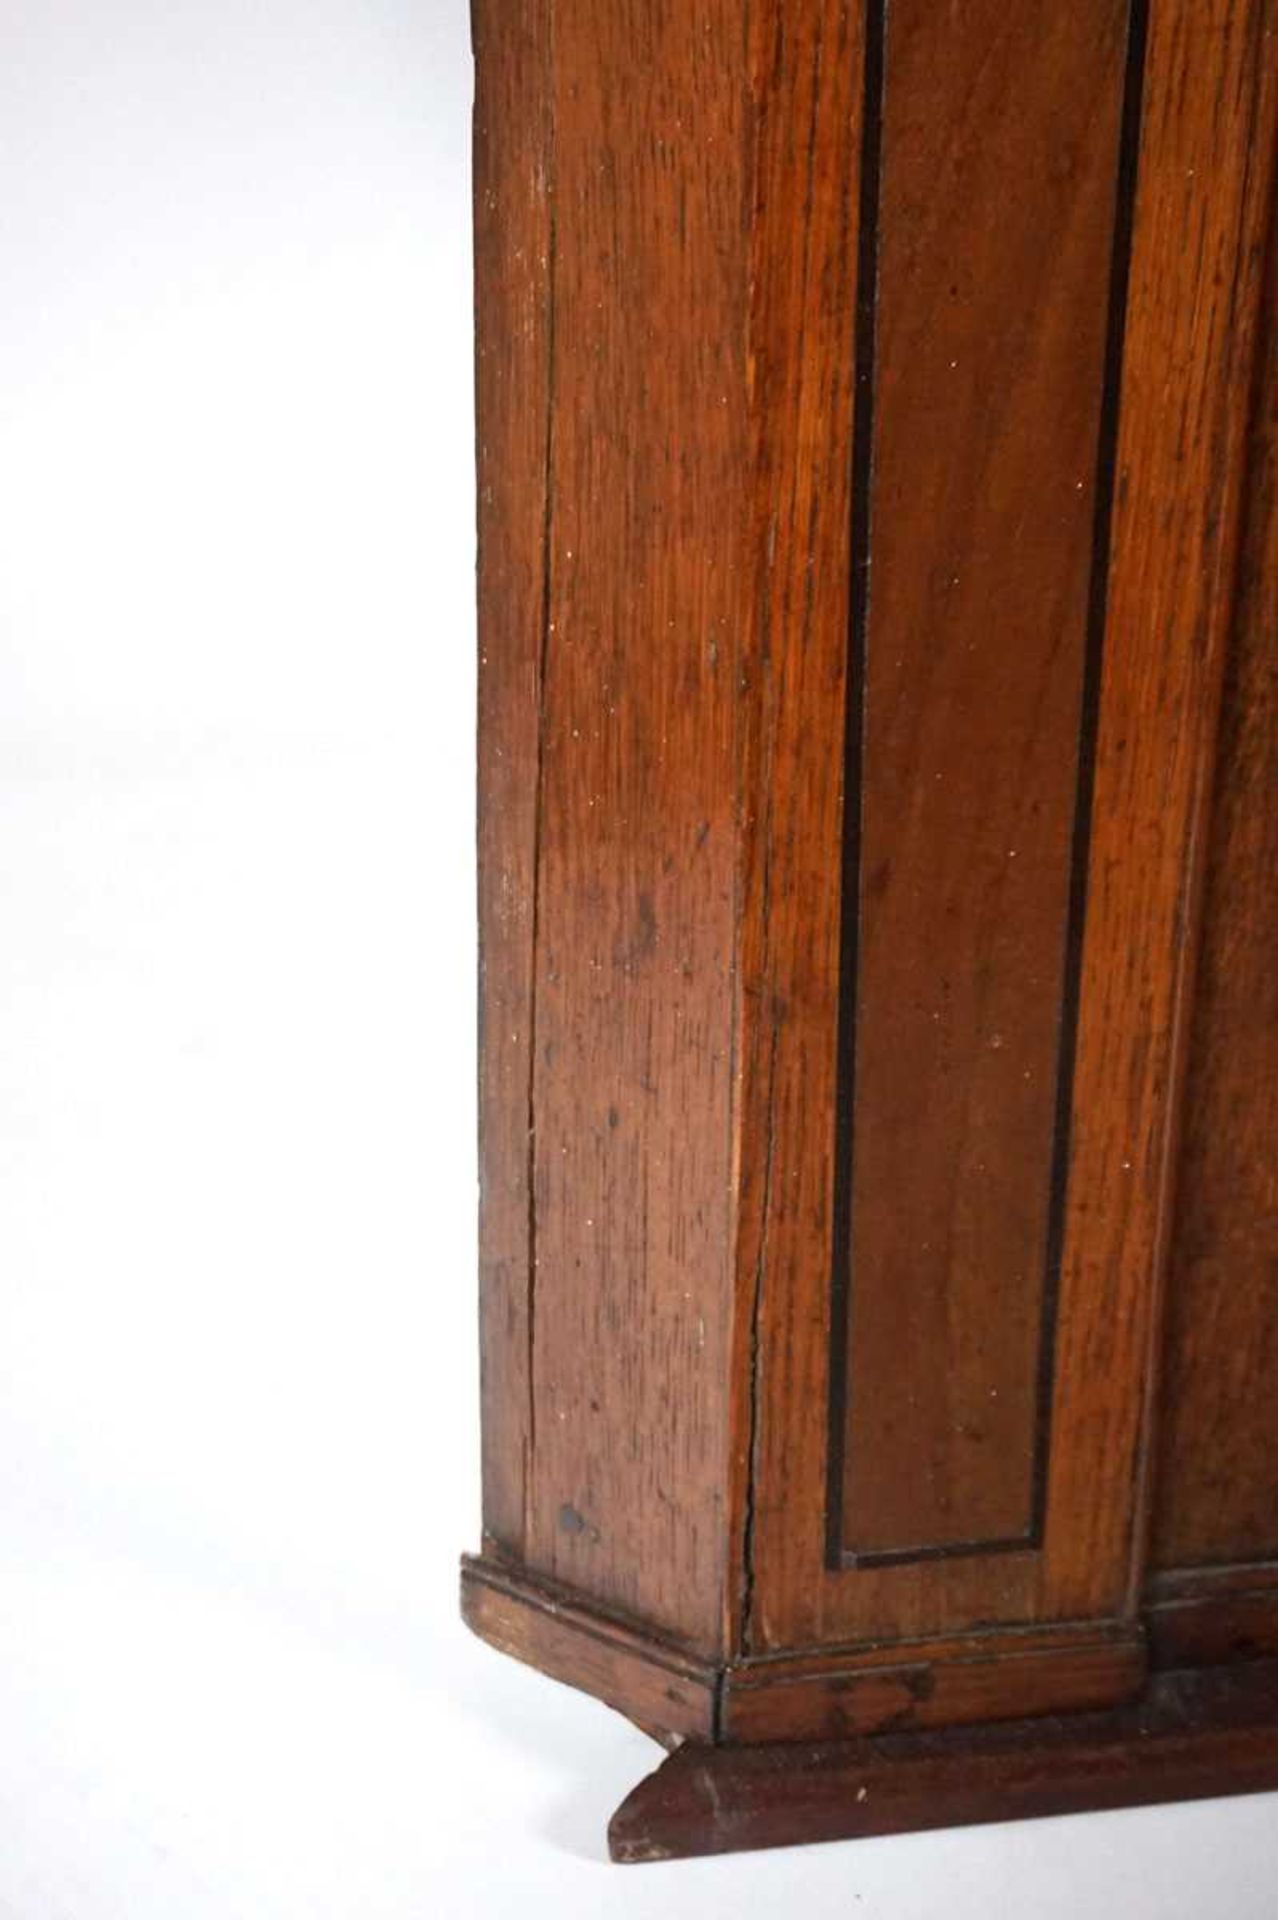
<point x="878" y="548"/>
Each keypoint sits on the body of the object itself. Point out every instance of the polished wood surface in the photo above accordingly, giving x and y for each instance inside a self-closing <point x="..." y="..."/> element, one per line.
<point x="1014" y="1673"/>
<point x="666" y="1687"/>
<point x="1206" y="180"/>
<point x="878" y="760"/>
<point x="512" y="226"/>
<point x="651" y="1681"/>
<point x="611" y="1161"/>
<point x="632" y="1067"/>
<point x="1196" y="1735"/>
<point x="1218" y="1456"/>
<point x="1205" y="168"/>
<point x="990" y="265"/>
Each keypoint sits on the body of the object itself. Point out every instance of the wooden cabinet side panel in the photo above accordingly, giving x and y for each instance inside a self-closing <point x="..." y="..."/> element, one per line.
<point x="1217" y="1493"/>
<point x="636" y="863"/>
<point x="512" y="401"/>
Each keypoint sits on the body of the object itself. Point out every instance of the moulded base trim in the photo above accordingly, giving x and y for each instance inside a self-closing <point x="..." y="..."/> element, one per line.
<point x="1192" y="1736"/>
<point x="814" y="1694"/>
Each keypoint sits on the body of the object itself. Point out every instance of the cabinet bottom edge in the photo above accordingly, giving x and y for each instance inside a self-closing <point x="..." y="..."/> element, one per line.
<point x="1193" y="1734"/>
<point x="818" y="1694"/>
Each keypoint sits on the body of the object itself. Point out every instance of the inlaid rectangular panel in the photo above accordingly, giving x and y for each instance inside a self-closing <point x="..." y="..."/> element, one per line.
<point x="994" y="212"/>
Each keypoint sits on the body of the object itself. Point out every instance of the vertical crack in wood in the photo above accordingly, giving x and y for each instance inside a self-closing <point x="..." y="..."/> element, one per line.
<point x="756" y="1315"/>
<point x="774" y="1010"/>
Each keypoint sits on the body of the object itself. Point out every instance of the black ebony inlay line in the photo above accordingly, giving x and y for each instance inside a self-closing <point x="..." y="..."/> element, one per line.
<point x="838" y="1554"/>
<point x="864" y="342"/>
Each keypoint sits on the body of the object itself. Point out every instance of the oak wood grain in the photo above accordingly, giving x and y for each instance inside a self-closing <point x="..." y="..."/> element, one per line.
<point x="1217" y="1494"/>
<point x="993" y="223"/>
<point x="981" y="1676"/>
<point x="1205" y="152"/>
<point x="1207" y="159"/>
<point x="807" y="65"/>
<point x="674" y="300"/>
<point x="673" y="1692"/>
<point x="632" y="1083"/>
<point x="512" y="412"/>
<point x="662" y="1687"/>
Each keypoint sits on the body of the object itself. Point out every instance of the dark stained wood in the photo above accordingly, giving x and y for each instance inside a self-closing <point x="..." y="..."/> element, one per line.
<point x="672" y="1692"/>
<point x="1218" y="1457"/>
<point x="980" y="1676"/>
<point x="1235" y="1617"/>
<point x="995" y="218"/>
<point x="663" y="1688"/>
<point x="1195" y="1735"/>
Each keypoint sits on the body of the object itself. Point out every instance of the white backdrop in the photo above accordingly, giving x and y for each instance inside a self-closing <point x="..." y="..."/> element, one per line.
<point x="237" y="1351"/>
